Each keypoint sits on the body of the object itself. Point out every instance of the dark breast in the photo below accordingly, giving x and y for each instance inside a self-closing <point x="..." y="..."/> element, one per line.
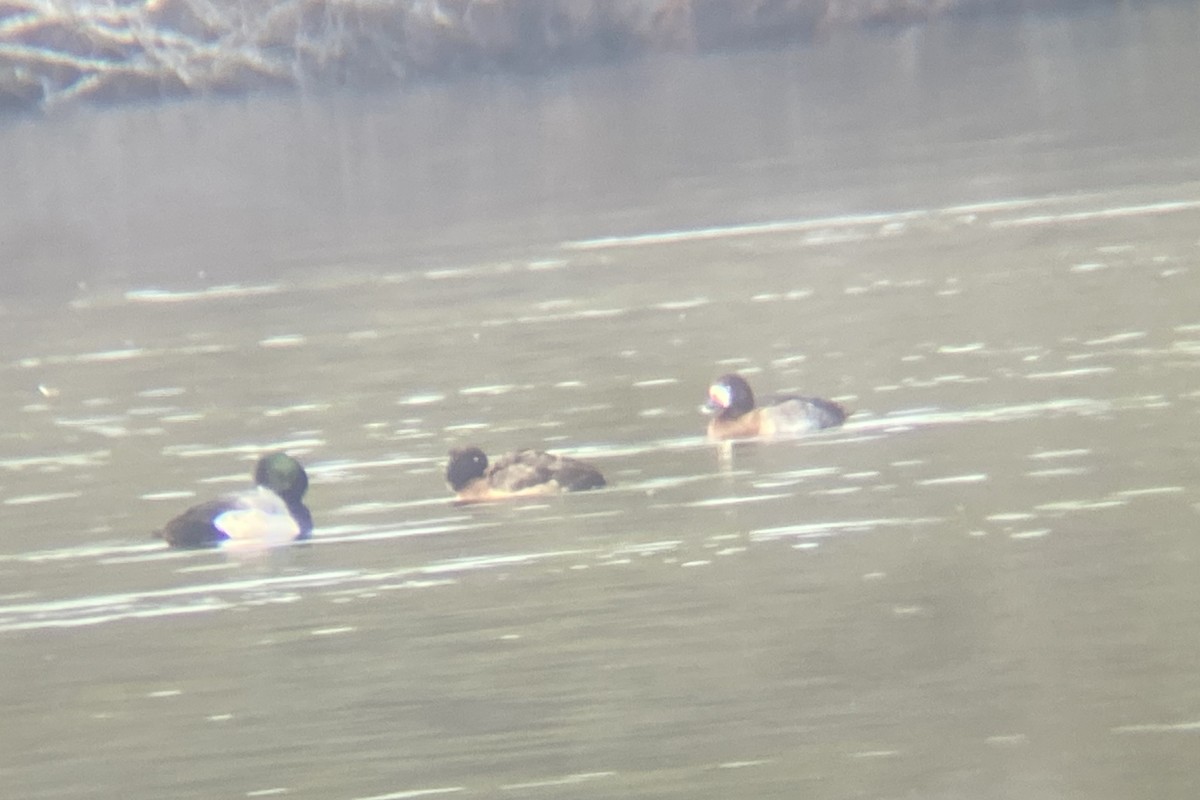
<point x="303" y="518"/>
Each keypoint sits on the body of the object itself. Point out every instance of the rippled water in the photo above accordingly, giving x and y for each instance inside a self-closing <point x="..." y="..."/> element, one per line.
<point x="982" y="239"/>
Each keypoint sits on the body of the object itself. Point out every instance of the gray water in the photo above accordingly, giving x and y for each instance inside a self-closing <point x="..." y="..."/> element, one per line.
<point x="981" y="236"/>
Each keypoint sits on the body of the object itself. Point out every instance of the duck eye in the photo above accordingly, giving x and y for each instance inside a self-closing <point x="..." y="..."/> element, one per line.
<point x="719" y="394"/>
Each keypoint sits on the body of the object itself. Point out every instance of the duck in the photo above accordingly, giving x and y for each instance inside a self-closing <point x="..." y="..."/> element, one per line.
<point x="271" y="513"/>
<point x="735" y="414"/>
<point x="519" y="474"/>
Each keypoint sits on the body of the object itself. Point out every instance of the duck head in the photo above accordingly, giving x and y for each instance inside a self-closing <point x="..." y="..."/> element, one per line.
<point x="729" y="396"/>
<point x="466" y="464"/>
<point x="283" y="475"/>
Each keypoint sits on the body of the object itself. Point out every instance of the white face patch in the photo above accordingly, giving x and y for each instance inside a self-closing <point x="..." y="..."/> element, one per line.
<point x="719" y="395"/>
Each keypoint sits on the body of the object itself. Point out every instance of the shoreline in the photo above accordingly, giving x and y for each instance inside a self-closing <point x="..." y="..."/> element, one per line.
<point x="161" y="49"/>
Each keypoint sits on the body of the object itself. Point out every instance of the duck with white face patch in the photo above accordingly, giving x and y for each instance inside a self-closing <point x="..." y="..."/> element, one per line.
<point x="736" y="415"/>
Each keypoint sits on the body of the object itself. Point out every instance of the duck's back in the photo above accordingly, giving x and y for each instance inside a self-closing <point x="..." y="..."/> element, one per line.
<point x="797" y="414"/>
<point x="527" y="469"/>
<point x="194" y="527"/>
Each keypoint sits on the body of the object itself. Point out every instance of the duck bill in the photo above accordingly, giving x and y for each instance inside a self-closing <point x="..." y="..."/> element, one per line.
<point x="711" y="407"/>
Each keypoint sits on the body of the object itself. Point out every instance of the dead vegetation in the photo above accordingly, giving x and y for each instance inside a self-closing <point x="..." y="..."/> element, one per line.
<point x="58" y="51"/>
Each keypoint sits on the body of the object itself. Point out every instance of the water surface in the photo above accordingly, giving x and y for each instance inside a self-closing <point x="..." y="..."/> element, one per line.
<point x="981" y="237"/>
